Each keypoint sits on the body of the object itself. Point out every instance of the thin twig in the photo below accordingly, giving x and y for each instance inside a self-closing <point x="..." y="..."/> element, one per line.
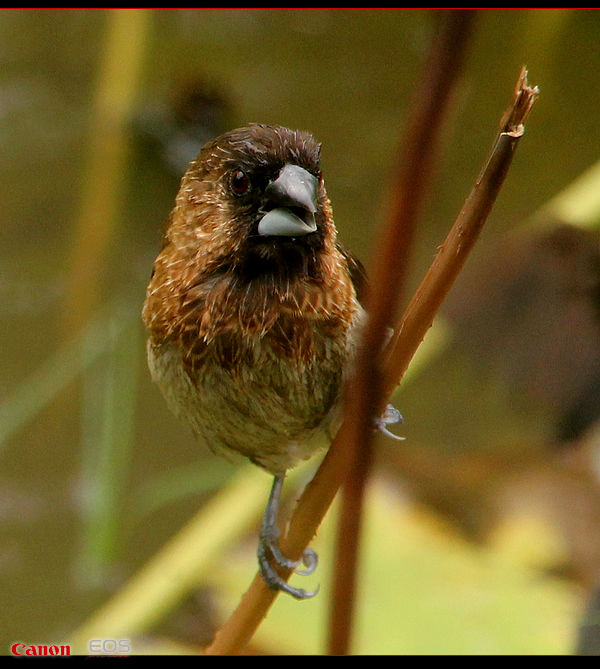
<point x="318" y="495"/>
<point x="451" y="257"/>
<point x="417" y="160"/>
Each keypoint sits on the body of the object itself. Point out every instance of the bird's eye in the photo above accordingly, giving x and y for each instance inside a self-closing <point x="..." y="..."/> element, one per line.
<point x="240" y="182"/>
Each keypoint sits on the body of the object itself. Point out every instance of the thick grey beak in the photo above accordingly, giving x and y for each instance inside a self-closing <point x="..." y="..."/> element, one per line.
<point x="294" y="196"/>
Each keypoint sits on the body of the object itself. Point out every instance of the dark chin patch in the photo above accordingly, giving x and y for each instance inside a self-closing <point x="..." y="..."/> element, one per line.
<point x="277" y="258"/>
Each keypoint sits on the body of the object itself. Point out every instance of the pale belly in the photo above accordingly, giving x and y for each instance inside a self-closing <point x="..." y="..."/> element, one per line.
<point x="273" y="411"/>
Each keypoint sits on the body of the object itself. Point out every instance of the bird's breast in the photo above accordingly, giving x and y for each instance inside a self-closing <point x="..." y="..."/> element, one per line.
<point x="264" y="397"/>
<point x="255" y="368"/>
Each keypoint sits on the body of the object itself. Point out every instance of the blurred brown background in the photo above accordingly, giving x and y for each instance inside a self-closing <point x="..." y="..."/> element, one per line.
<point x="99" y="111"/>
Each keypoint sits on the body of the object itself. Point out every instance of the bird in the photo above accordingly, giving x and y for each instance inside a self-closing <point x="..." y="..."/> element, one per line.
<point x="253" y="310"/>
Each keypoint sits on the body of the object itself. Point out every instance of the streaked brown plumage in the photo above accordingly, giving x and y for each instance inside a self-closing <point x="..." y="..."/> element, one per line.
<point x="252" y="310"/>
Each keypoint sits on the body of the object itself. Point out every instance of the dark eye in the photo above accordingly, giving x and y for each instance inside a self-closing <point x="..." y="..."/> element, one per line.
<point x="240" y="182"/>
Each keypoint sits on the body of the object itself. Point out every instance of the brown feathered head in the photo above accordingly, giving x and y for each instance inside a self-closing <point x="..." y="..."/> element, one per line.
<point x="254" y="200"/>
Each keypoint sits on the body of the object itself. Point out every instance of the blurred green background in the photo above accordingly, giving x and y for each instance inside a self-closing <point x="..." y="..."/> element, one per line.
<point x="484" y="526"/>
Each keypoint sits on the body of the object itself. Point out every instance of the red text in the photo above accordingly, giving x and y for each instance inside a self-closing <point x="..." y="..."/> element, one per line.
<point x="23" y="649"/>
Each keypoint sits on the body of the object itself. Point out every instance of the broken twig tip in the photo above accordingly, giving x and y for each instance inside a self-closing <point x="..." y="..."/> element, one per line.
<point x="513" y="122"/>
<point x="524" y="89"/>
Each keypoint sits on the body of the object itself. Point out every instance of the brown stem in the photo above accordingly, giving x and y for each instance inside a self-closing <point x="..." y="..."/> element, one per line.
<point x="420" y="149"/>
<point x="451" y="257"/>
<point x="316" y="499"/>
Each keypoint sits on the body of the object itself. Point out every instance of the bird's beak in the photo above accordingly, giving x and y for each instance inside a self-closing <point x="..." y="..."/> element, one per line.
<point x="294" y="198"/>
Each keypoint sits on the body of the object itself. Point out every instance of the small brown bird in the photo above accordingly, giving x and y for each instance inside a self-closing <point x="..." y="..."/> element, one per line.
<point x="253" y="309"/>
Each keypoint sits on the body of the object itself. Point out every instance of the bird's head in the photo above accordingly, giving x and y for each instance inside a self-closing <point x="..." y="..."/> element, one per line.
<point x="254" y="203"/>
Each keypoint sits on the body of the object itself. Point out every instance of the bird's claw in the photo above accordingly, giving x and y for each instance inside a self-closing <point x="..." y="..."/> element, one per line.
<point x="269" y="546"/>
<point x="269" y="552"/>
<point x="391" y="416"/>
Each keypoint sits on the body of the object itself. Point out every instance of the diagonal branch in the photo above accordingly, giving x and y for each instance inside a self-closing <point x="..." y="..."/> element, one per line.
<point x="452" y="255"/>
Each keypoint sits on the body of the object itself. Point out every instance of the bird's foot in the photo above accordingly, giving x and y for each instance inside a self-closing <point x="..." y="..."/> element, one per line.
<point x="268" y="547"/>
<point x="269" y="552"/>
<point x="391" y="416"/>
